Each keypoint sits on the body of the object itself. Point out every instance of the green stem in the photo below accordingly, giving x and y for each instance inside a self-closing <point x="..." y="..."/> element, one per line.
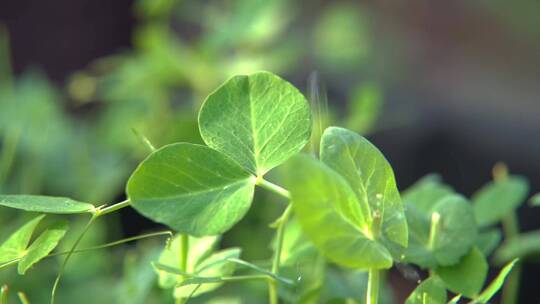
<point x="510" y="291"/>
<point x="106" y="245"/>
<point x="100" y="212"/>
<point x="59" y="276"/>
<point x="274" y="188"/>
<point x="372" y="296"/>
<point x="4" y="292"/>
<point x="433" y="229"/>
<point x="9" y="147"/>
<point x="23" y="298"/>
<point x="280" y="234"/>
<point x="184" y="252"/>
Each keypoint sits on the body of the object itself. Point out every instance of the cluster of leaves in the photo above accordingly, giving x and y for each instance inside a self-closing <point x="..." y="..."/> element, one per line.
<point x="345" y="208"/>
<point x="153" y="89"/>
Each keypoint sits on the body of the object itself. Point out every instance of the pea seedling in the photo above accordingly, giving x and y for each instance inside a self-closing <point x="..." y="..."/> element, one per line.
<point x="346" y="203"/>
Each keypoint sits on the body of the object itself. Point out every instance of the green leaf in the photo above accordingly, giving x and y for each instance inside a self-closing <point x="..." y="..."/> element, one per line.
<point x="455" y="300"/>
<point x="259" y="120"/>
<point x="323" y="199"/>
<point x="426" y="192"/>
<point x="199" y="249"/>
<point x="43" y="245"/>
<point x="365" y="106"/>
<point x="191" y="188"/>
<point x="444" y="242"/>
<point x="496" y="284"/>
<point x="430" y="291"/>
<point x="535" y="200"/>
<point x="496" y="199"/>
<point x="468" y="276"/>
<point x="45" y="204"/>
<point x="521" y="246"/>
<point x="215" y="266"/>
<point x="371" y="177"/>
<point x="488" y="240"/>
<point x="15" y="245"/>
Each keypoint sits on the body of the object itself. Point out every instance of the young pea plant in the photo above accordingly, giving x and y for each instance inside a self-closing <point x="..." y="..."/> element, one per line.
<point x="346" y="203"/>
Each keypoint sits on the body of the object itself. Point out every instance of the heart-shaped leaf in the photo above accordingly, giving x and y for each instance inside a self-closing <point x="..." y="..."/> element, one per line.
<point x="322" y="198"/>
<point x="371" y="177"/>
<point x="442" y="227"/>
<point x="43" y="245"/>
<point x="468" y="276"/>
<point x="45" y="204"/>
<point x="430" y="291"/>
<point x="259" y="120"/>
<point x="496" y="199"/>
<point x="14" y="247"/>
<point x="191" y="188"/>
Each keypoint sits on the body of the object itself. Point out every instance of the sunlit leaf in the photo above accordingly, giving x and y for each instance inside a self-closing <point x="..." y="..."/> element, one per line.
<point x="16" y="244"/>
<point x="191" y="188"/>
<point x="496" y="199"/>
<point x="496" y="284"/>
<point x="430" y="291"/>
<point x="488" y="240"/>
<point x="322" y="198"/>
<point x="43" y="245"/>
<point x="199" y="249"/>
<point x="468" y="276"/>
<point x="259" y="120"/>
<point x="371" y="177"/>
<point x="45" y="204"/>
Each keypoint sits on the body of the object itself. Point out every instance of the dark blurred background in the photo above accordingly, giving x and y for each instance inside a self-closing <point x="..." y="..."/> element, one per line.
<point x="458" y="79"/>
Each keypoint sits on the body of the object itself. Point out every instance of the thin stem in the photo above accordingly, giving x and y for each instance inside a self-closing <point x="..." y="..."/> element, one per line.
<point x="245" y="278"/>
<point x="184" y="252"/>
<point x="9" y="148"/>
<point x="280" y="233"/>
<point x="112" y="208"/>
<point x="435" y="219"/>
<point x="59" y="276"/>
<point x="372" y="296"/>
<point x="23" y="298"/>
<point x="10" y="263"/>
<point x="274" y="188"/>
<point x="510" y="291"/>
<point x="106" y="245"/>
<point x="4" y="293"/>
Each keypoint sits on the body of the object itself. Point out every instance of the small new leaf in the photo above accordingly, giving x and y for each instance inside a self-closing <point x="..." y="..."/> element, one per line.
<point x="430" y="291"/>
<point x="43" y="245"/>
<point x="14" y="247"/>
<point x="496" y="199"/>
<point x="371" y="177"/>
<point x="322" y="198"/>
